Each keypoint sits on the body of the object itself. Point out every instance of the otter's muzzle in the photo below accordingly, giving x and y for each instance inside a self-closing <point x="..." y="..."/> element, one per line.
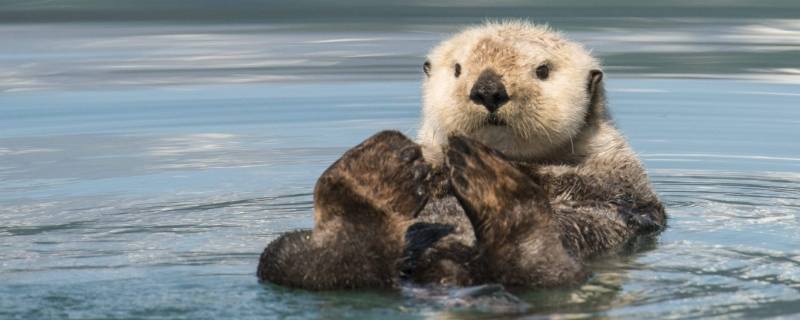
<point x="489" y="91"/>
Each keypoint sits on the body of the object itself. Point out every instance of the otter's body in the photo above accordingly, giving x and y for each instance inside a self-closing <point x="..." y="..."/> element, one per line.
<point x="518" y="177"/>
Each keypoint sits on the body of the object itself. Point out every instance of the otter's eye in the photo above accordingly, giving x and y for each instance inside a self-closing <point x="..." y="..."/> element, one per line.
<point x="543" y="71"/>
<point x="458" y="70"/>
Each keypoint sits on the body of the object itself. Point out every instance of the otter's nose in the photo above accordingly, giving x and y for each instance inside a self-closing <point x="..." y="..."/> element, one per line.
<point x="489" y="91"/>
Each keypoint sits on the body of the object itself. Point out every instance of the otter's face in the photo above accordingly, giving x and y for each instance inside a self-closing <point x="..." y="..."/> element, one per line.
<point x="518" y="88"/>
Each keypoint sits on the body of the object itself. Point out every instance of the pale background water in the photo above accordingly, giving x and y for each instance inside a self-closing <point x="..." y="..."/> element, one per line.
<point x="149" y="151"/>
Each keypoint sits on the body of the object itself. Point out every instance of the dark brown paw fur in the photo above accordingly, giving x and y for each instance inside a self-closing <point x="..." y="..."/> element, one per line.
<point x="518" y="240"/>
<point x="386" y="173"/>
<point x="498" y="198"/>
<point x="363" y="205"/>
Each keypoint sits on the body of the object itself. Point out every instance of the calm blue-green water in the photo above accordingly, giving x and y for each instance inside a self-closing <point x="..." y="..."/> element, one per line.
<point x="144" y="164"/>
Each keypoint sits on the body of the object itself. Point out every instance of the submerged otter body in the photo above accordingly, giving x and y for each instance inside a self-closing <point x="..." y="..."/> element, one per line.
<point x="518" y="178"/>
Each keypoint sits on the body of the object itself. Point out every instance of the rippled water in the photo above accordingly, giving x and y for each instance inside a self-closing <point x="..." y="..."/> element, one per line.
<point x="144" y="166"/>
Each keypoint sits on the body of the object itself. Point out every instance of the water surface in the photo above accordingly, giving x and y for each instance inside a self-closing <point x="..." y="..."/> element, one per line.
<point x="145" y="164"/>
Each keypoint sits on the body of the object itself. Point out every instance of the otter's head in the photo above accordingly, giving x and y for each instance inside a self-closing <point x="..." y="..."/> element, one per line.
<point x="514" y="86"/>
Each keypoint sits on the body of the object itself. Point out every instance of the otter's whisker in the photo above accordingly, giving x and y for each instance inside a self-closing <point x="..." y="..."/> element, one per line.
<point x="571" y="145"/>
<point x="544" y="129"/>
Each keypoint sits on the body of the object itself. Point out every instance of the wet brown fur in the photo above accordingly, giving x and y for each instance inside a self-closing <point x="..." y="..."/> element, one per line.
<point x="363" y="205"/>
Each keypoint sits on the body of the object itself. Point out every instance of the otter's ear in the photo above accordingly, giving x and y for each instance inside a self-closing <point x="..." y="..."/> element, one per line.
<point x="595" y="76"/>
<point x="426" y="67"/>
<point x="597" y="97"/>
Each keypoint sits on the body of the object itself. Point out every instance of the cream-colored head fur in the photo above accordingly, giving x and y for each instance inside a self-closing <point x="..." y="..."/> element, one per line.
<point x="542" y="114"/>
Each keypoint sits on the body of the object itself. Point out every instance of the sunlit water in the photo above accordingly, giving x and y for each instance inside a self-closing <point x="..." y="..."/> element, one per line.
<point x="144" y="166"/>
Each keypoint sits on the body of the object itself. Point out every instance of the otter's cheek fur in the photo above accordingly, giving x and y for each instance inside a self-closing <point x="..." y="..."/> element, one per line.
<point x="535" y="124"/>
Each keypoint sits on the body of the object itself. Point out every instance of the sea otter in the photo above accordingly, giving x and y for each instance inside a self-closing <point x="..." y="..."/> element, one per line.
<point x="518" y="177"/>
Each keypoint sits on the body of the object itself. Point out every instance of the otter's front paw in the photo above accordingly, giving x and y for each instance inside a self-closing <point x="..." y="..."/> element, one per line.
<point x="493" y="192"/>
<point x="386" y="171"/>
